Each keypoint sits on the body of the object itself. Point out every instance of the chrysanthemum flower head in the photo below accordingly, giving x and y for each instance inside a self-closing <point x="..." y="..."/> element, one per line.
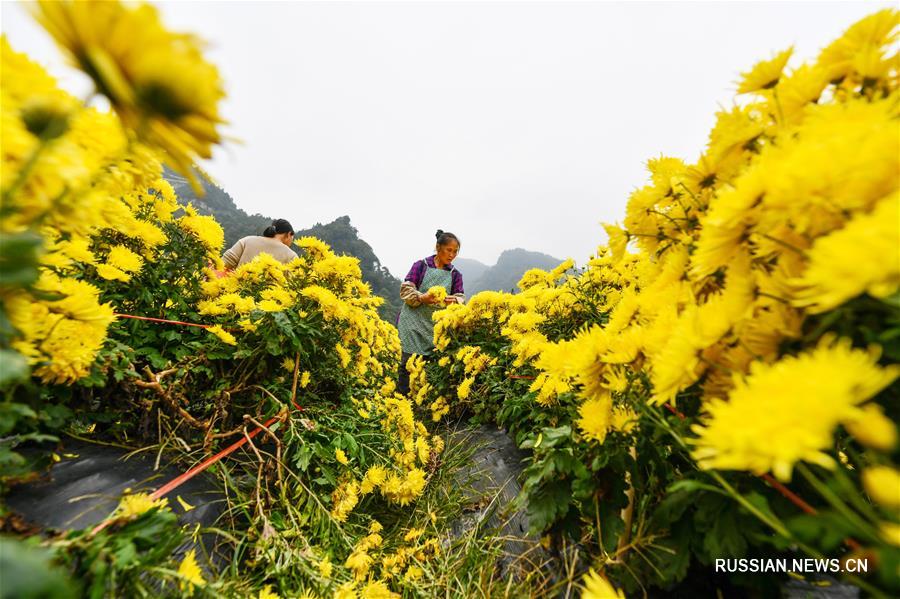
<point x="156" y="80"/>
<point x="135" y="504"/>
<point x="786" y="412"/>
<point x="190" y="573"/>
<point x="765" y="74"/>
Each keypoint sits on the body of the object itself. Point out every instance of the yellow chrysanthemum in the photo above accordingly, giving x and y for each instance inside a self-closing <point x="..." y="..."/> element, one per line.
<point x="344" y="499"/>
<point x="359" y="562"/>
<point x="325" y="568"/>
<point x="111" y="273"/>
<point x="377" y="589"/>
<point x="882" y="483"/>
<point x="316" y="248"/>
<point x="61" y="336"/>
<point x="204" y="228"/>
<point x="597" y="587"/>
<point x="267" y="593"/>
<point x="890" y="532"/>
<point x="341" y="457"/>
<point x="405" y="490"/>
<point x="157" y="81"/>
<point x="78" y="249"/>
<point x="869" y="34"/>
<point x="343" y="355"/>
<point x="190" y="573"/>
<point x="595" y="418"/>
<point x="787" y="411"/>
<point x="413" y="534"/>
<point x="138" y="503"/>
<point x="853" y="260"/>
<point x="373" y="479"/>
<point x="222" y="334"/>
<point x="765" y="74"/>
<point x="345" y="591"/>
<point x="624" y="419"/>
<point x="124" y="259"/>
<point x="873" y="429"/>
<point x="462" y="391"/>
<point x="438" y="292"/>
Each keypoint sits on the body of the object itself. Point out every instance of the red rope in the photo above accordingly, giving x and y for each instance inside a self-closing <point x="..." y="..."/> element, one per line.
<point x="186" y="476"/>
<point x="674" y="411"/>
<point x="163" y="320"/>
<point x="785" y="492"/>
<point x="183" y="478"/>
<point x="793" y="497"/>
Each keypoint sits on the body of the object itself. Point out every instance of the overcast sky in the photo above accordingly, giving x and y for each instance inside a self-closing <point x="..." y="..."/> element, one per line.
<point x="510" y="124"/>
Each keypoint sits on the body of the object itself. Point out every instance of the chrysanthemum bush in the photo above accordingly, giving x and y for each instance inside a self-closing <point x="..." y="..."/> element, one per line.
<point x="92" y="234"/>
<point x="737" y="332"/>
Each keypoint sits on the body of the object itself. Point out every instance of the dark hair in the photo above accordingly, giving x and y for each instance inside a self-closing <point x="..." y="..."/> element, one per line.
<point x="278" y="227"/>
<point x="443" y="238"/>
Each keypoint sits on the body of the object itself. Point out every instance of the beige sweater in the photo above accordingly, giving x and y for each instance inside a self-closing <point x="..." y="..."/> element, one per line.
<point x="250" y="247"/>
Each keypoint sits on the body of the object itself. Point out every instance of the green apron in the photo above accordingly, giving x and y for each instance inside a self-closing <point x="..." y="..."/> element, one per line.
<point x="415" y="326"/>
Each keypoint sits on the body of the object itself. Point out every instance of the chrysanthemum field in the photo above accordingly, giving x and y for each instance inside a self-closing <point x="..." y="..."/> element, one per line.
<point x="719" y="381"/>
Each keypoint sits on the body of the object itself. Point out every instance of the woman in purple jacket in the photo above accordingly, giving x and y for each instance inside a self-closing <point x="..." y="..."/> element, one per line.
<point x="415" y="324"/>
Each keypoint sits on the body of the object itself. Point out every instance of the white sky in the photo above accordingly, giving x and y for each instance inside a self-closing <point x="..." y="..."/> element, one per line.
<point x="510" y="124"/>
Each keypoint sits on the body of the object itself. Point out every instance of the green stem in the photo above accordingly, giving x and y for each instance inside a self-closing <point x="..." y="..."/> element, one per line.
<point x="774" y="523"/>
<point x="774" y="297"/>
<point x="864" y="527"/>
<point x="782" y="243"/>
<point x="770" y="521"/>
<point x="853" y="496"/>
<point x="693" y="197"/>
<point x="671" y="219"/>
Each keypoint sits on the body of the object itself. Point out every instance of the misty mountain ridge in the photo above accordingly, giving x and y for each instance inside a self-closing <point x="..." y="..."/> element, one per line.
<point x="470" y="268"/>
<point x="505" y="274"/>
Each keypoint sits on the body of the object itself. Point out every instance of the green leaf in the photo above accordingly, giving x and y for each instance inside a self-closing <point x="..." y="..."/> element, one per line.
<point x="553" y="436"/>
<point x="689" y="485"/>
<point x="825" y="529"/>
<point x="29" y="573"/>
<point x="11" y="413"/>
<point x="19" y="258"/>
<point x="303" y="457"/>
<point x="350" y="442"/>
<point x="547" y="504"/>
<point x="13" y="367"/>
<point x="726" y="537"/>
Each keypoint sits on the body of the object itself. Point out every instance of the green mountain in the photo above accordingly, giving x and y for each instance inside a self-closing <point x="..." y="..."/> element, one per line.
<point x="340" y="235"/>
<point x="471" y="270"/>
<point x="216" y="202"/>
<point x="510" y="267"/>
